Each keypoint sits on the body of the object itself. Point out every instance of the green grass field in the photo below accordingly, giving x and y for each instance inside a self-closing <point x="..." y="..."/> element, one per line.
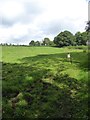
<point x="43" y="83"/>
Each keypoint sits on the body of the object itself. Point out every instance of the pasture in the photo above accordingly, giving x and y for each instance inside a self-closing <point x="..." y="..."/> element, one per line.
<point x="44" y="83"/>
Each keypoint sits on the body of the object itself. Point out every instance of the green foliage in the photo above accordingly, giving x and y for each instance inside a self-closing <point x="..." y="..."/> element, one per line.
<point x="45" y="83"/>
<point x="81" y="38"/>
<point x="22" y="103"/>
<point x="68" y="39"/>
<point x="80" y="47"/>
<point x="47" y="42"/>
<point x="20" y="96"/>
<point x="32" y="43"/>
<point x="37" y="43"/>
<point x="65" y="38"/>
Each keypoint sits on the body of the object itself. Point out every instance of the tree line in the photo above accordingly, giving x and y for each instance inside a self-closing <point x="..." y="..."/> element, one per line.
<point x="45" y="42"/>
<point x="65" y="38"/>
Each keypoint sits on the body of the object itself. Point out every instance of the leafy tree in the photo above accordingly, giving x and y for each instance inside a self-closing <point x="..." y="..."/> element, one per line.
<point x="37" y="43"/>
<point x="81" y="38"/>
<point x="78" y="37"/>
<point x="86" y="37"/>
<point x="65" y="38"/>
<point x="32" y="43"/>
<point x="51" y="43"/>
<point x="46" y="41"/>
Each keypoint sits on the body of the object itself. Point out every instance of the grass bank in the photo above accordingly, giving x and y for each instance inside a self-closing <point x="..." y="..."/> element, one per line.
<point x="43" y="83"/>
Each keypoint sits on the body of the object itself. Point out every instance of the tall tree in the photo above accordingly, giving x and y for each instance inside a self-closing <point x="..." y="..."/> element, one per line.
<point x="78" y="37"/>
<point x="81" y="38"/>
<point x="32" y="43"/>
<point x="65" y="38"/>
<point x="46" y="41"/>
<point x="37" y="43"/>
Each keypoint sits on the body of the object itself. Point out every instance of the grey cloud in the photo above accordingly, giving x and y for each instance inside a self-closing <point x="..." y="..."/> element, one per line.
<point x="33" y="7"/>
<point x="6" y="22"/>
<point x="18" y="40"/>
<point x="54" y="27"/>
<point x="31" y="10"/>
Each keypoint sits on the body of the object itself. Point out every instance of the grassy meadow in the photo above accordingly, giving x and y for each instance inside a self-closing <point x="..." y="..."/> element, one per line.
<point x="39" y="82"/>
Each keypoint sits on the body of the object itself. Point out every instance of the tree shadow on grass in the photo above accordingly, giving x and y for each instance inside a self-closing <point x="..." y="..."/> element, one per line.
<point x="80" y="59"/>
<point x="40" y="94"/>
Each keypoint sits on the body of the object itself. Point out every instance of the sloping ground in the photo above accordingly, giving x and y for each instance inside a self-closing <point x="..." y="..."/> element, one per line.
<point x="46" y="86"/>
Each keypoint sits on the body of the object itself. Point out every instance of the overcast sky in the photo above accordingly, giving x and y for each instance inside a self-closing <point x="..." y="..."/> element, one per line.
<point x="26" y="20"/>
